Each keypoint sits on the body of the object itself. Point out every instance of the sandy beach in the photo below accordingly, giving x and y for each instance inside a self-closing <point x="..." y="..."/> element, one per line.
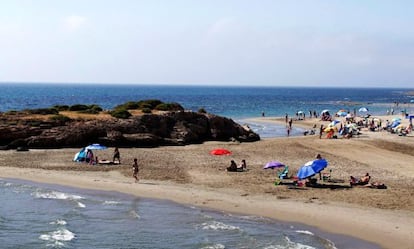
<point x="190" y="175"/>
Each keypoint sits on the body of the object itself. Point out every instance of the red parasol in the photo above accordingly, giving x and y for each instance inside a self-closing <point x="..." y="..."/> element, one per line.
<point x="220" y="152"/>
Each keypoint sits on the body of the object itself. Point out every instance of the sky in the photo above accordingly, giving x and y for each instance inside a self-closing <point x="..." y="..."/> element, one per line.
<point x="346" y="43"/>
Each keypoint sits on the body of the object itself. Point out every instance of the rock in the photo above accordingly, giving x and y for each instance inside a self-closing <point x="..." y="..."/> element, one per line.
<point x="148" y="130"/>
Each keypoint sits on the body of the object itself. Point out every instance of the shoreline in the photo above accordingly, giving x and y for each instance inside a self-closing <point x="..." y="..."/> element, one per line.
<point x="372" y="225"/>
<point x="189" y="175"/>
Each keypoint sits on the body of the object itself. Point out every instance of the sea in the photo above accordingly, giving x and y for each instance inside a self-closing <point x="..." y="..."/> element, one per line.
<point x="34" y="215"/>
<point x="239" y="103"/>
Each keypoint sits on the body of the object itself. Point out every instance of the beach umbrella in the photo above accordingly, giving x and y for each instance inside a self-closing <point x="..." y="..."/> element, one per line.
<point x="311" y="168"/>
<point x="363" y="109"/>
<point x="341" y="113"/>
<point x="220" y="152"/>
<point x="96" y="147"/>
<point x="333" y="123"/>
<point x="273" y="164"/>
<point x="325" y="111"/>
<point x="396" y="120"/>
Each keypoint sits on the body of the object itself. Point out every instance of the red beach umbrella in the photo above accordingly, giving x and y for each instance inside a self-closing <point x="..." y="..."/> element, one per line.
<point x="220" y="152"/>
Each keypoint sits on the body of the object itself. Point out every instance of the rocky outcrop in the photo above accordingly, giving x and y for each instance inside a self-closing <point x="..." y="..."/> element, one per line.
<point x="148" y="130"/>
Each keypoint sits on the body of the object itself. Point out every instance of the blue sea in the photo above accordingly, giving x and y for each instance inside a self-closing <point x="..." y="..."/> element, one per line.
<point x="50" y="216"/>
<point x="238" y="103"/>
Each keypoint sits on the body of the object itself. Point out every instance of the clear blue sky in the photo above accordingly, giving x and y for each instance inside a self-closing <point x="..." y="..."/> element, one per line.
<point x="199" y="42"/>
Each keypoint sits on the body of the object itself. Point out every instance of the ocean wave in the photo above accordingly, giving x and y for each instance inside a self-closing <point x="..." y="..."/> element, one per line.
<point x="304" y="232"/>
<point x="215" y="246"/>
<point x="57" y="195"/>
<point x="111" y="203"/>
<point x="296" y="245"/>
<point x="134" y="214"/>
<point x="56" y="238"/>
<point x="216" y="225"/>
<point x="58" y="222"/>
<point x="81" y="205"/>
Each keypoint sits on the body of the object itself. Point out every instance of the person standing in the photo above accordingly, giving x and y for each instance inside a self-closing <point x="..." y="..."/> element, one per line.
<point x="117" y="155"/>
<point x="135" y="169"/>
<point x="320" y="131"/>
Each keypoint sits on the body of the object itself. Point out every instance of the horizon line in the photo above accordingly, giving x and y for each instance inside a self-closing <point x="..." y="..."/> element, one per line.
<point x="201" y="84"/>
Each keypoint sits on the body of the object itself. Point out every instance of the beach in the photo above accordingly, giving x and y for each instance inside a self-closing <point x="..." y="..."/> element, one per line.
<point x="190" y="175"/>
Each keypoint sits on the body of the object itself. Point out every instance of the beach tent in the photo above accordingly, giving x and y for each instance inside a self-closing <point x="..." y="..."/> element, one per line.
<point x="80" y="156"/>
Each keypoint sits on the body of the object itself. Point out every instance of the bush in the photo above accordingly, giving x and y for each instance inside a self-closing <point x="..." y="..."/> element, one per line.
<point x="146" y="110"/>
<point x="169" y="107"/>
<point x="202" y="110"/>
<point x="60" y="118"/>
<point x="149" y="103"/>
<point x="43" y="111"/>
<point x="131" y="105"/>
<point x="95" y="108"/>
<point x="78" y="107"/>
<point x="61" y="108"/>
<point x="120" y="113"/>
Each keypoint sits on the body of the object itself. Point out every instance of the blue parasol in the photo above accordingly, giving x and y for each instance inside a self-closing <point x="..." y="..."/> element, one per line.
<point x="96" y="147"/>
<point x="311" y="168"/>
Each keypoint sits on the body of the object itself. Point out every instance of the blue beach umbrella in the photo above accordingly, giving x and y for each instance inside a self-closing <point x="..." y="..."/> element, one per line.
<point x="311" y="168"/>
<point x="96" y="147"/>
<point x="333" y="123"/>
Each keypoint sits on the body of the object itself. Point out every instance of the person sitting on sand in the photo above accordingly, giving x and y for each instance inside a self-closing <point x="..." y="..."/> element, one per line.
<point x="232" y="167"/>
<point x="242" y="166"/>
<point x="362" y="181"/>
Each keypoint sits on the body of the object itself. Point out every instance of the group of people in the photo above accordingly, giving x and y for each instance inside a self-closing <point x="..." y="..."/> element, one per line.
<point x="237" y="168"/>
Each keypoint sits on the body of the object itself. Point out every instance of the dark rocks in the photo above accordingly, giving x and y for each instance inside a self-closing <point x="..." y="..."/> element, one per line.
<point x="149" y="130"/>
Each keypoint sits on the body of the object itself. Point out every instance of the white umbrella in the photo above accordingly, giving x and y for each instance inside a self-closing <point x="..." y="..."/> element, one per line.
<point x="363" y="109"/>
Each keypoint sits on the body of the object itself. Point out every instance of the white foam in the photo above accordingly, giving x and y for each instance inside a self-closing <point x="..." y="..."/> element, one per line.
<point x="57" y="195"/>
<point x="58" y="222"/>
<point x="58" y="236"/>
<point x="215" y="246"/>
<point x="111" y="203"/>
<point x="134" y="214"/>
<point x="296" y="245"/>
<point x="81" y="205"/>
<point x="304" y="232"/>
<point x="215" y="225"/>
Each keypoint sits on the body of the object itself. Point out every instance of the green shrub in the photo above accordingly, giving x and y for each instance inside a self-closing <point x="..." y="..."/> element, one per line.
<point x="131" y="105"/>
<point x="120" y="113"/>
<point x="11" y="112"/>
<point x="149" y="103"/>
<point x="78" y="107"/>
<point x="146" y="110"/>
<point x="42" y="111"/>
<point x="202" y="110"/>
<point x="169" y="107"/>
<point x="95" y="108"/>
<point x="61" y="108"/>
<point x="60" y="118"/>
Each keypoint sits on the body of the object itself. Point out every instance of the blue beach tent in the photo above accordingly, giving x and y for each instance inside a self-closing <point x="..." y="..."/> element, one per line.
<point x="80" y="156"/>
